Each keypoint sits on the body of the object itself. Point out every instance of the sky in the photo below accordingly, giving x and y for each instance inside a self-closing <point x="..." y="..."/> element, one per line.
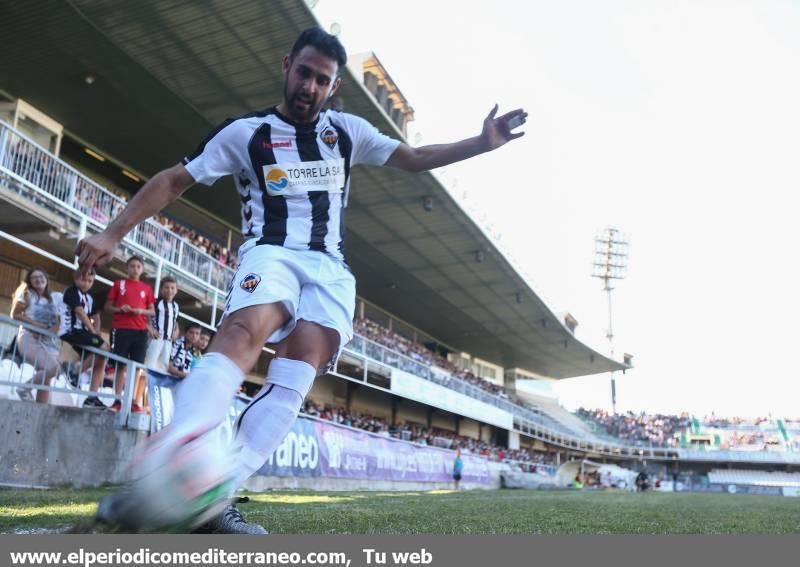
<point x="677" y="122"/>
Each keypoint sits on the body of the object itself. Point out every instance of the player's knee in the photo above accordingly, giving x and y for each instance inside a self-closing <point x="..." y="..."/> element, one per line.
<point x="240" y="332"/>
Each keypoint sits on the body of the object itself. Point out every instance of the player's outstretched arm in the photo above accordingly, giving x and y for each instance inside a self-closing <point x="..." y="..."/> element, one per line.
<point x="497" y="130"/>
<point x="160" y="191"/>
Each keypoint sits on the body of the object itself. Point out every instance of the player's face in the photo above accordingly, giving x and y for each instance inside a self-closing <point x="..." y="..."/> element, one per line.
<point x="310" y="79"/>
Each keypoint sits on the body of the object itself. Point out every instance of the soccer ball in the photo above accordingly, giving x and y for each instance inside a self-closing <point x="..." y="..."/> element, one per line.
<point x="182" y="479"/>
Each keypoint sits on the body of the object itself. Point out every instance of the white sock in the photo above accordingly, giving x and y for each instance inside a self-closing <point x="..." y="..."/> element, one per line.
<point x="206" y="394"/>
<point x="264" y="423"/>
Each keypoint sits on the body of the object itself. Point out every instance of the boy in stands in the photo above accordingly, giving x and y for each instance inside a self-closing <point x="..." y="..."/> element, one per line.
<point x="163" y="327"/>
<point x="131" y="302"/>
<point x="80" y="327"/>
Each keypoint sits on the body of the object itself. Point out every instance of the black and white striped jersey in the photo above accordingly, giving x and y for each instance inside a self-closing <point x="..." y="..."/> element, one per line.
<point x="165" y="318"/>
<point x="292" y="179"/>
<point x="72" y="299"/>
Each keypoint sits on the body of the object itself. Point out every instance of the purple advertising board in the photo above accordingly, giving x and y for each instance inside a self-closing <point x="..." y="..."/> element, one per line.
<point x="318" y="448"/>
<point x="349" y="453"/>
<point x="315" y="448"/>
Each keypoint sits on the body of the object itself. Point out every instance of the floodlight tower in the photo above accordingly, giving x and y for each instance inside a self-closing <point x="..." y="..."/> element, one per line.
<point x="610" y="263"/>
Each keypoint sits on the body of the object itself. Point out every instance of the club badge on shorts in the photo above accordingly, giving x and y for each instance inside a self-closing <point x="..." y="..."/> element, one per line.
<point x="250" y="282"/>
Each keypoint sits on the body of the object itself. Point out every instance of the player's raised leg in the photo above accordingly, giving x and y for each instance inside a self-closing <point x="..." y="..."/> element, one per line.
<point x="202" y="402"/>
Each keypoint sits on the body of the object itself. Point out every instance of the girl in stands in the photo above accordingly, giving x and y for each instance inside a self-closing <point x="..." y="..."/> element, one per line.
<point x="34" y="303"/>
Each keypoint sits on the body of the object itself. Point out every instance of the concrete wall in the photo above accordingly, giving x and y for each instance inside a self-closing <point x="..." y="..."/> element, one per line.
<point x="44" y="445"/>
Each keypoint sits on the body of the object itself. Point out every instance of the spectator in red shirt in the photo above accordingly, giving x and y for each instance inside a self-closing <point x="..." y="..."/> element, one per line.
<point x="131" y="301"/>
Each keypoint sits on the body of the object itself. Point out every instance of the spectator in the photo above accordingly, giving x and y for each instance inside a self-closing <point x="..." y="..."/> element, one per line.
<point x="80" y="327"/>
<point x="33" y="303"/>
<point x="183" y="352"/>
<point x="201" y="347"/>
<point x="458" y="467"/>
<point x="131" y="301"/>
<point x="163" y="327"/>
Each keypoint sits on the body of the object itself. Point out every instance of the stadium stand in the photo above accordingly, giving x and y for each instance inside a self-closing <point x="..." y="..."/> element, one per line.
<point x="416" y="261"/>
<point x="639" y="429"/>
<point x="754" y="477"/>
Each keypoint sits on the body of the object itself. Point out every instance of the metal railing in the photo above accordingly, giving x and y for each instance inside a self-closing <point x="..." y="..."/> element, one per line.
<point x="72" y="191"/>
<point x="379" y="353"/>
<point x="47" y="176"/>
<point x="34" y="359"/>
<point x="49" y="182"/>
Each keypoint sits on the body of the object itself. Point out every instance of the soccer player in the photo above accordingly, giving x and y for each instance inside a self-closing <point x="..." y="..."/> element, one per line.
<point x="291" y="164"/>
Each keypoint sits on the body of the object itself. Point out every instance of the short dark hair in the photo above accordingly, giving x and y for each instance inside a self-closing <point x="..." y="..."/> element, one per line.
<point x="166" y="280"/>
<point x="135" y="258"/>
<point x="323" y="42"/>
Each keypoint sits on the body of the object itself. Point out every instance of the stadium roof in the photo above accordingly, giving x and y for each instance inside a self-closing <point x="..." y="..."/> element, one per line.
<point x="165" y="72"/>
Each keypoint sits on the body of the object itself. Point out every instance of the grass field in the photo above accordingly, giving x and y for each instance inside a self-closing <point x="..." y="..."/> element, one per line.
<point x="444" y="512"/>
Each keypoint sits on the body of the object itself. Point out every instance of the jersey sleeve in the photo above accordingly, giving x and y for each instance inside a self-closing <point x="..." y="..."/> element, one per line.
<point x="216" y="156"/>
<point x="113" y="293"/>
<point x="71" y="299"/>
<point x="94" y="310"/>
<point x="370" y="147"/>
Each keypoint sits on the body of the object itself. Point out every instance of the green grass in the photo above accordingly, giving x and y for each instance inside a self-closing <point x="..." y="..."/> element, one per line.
<point x="444" y="512"/>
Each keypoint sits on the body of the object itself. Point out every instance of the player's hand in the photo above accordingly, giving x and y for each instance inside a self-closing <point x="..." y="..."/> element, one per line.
<point x="496" y="130"/>
<point x="95" y="250"/>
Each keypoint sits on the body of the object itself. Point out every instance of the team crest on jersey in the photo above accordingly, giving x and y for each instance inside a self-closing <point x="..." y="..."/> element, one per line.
<point x="277" y="179"/>
<point x="250" y="282"/>
<point x="330" y="137"/>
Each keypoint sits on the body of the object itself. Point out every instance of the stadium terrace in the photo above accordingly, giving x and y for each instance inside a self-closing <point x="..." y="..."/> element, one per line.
<point x="451" y="351"/>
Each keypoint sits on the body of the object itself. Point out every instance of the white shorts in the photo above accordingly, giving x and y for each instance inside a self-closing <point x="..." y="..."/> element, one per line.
<point x="312" y="285"/>
<point x="158" y="353"/>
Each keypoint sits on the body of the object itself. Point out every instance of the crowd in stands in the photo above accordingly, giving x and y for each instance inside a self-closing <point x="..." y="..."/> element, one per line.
<point x="665" y="430"/>
<point x="414" y="350"/>
<point x="659" y="430"/>
<point x="206" y="245"/>
<point x="422" y="435"/>
<point x="103" y="204"/>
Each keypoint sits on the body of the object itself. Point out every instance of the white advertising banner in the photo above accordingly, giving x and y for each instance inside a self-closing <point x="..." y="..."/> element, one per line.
<point x="427" y="392"/>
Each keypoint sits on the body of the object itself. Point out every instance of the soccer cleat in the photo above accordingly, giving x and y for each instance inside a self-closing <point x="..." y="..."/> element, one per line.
<point x="93" y="402"/>
<point x="230" y="521"/>
<point x="118" y="512"/>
